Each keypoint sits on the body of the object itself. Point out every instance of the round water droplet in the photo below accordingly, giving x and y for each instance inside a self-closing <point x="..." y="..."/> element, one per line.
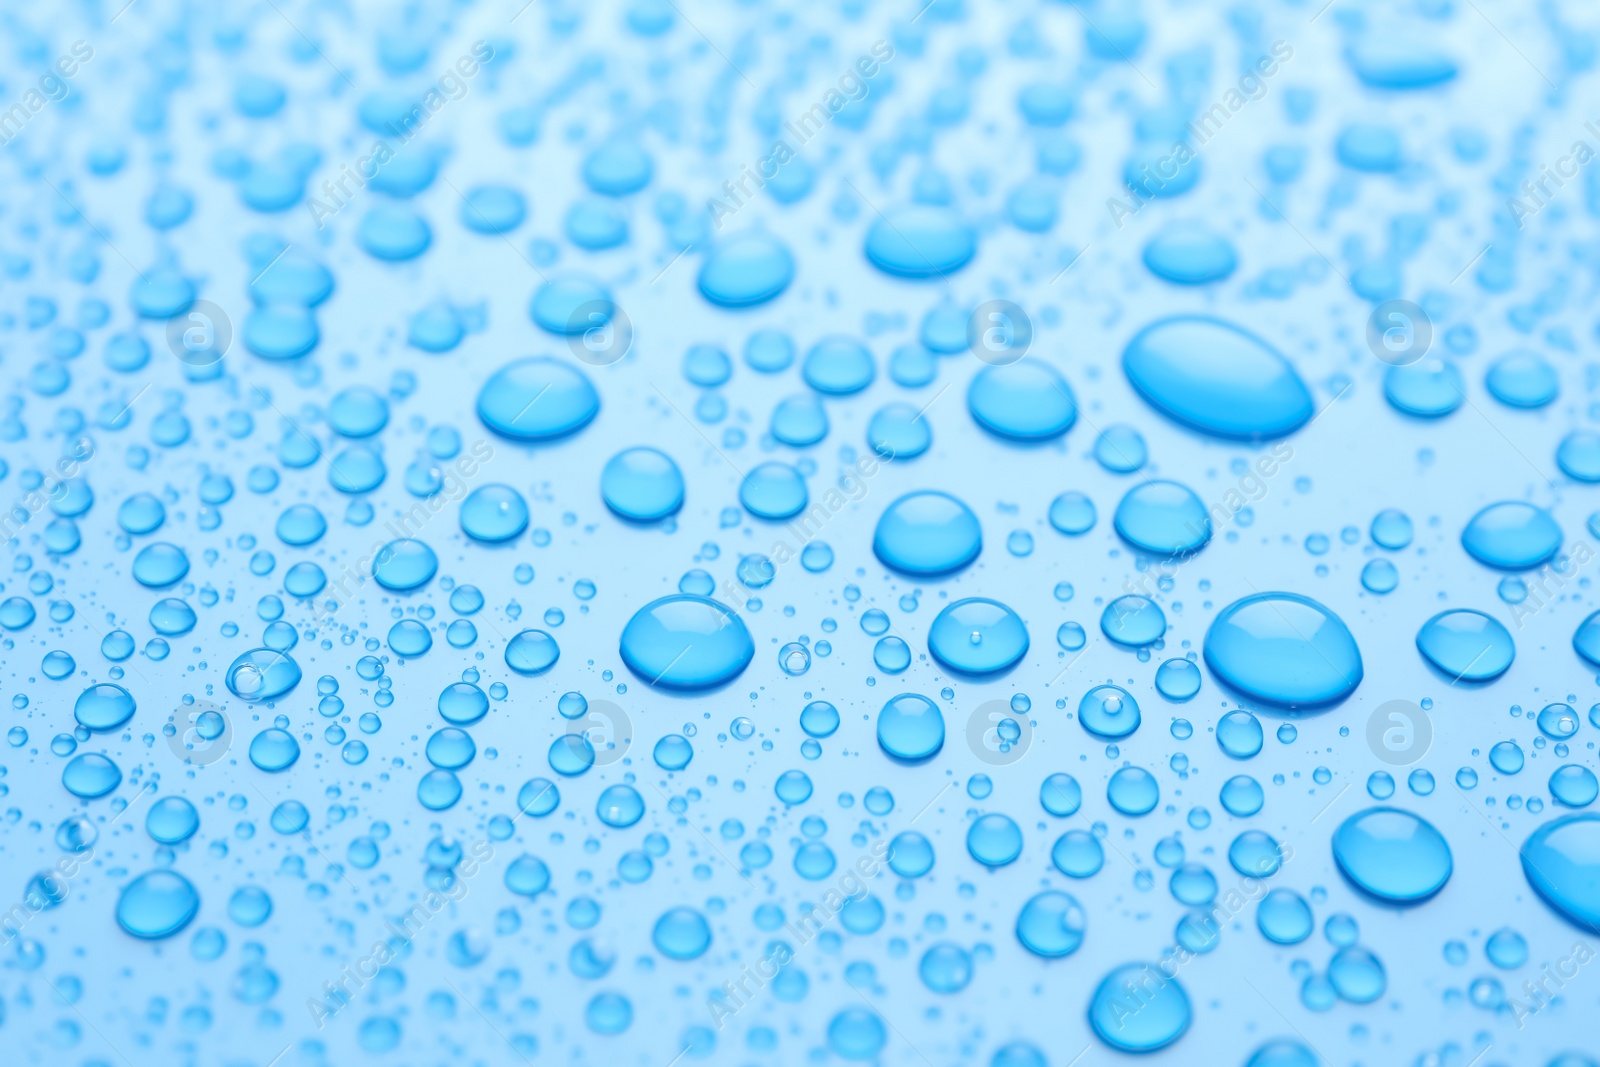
<point x="159" y="565"/>
<point x="1190" y="253"/>
<point x="1163" y="518"/>
<point x="927" y="533"/>
<point x="920" y="241"/>
<point x="1138" y="1008"/>
<point x="1522" y="379"/>
<point x="978" y="636"/>
<point x="994" y="840"/>
<point x="404" y="565"/>
<point x="157" y="904"/>
<point x="1284" y="649"/>
<point x="856" y="1034"/>
<point x="1466" y="645"/>
<point x="537" y="399"/>
<point x="532" y="652"/>
<point x="1133" y="621"/>
<point x="104" y="707"/>
<point x="262" y="674"/>
<point x="686" y="642"/>
<point x="1512" y="536"/>
<point x="1394" y="855"/>
<point x="172" y="820"/>
<point x="1024" y="401"/>
<point x="1133" y="791"/>
<point x="1284" y="917"/>
<point x="1072" y="513"/>
<point x="89" y="775"/>
<point x="682" y="934"/>
<point x="1108" y="711"/>
<point x="773" y="491"/>
<point x="838" y="365"/>
<point x="642" y="485"/>
<point x="494" y="513"/>
<point x="1051" y="924"/>
<point x="1561" y="861"/>
<point x="274" y="750"/>
<point x="746" y="270"/>
<point x="910" y="728"/>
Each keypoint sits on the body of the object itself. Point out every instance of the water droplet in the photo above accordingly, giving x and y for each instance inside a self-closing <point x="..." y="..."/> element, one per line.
<point x="686" y="642"/>
<point x="1466" y="645"/>
<point x="978" y="636"/>
<point x="910" y="728"/>
<point x="642" y="485"/>
<point x="927" y="533"/>
<point x="1284" y="649"/>
<point x="1394" y="855"/>
<point x="537" y="399"/>
<point x="1163" y="518"/>
<point x="1051" y="924"/>
<point x="1214" y="377"/>
<point x="1512" y="536"/>
<point x="1139" y="1008"/>
<point x="157" y="904"/>
<point x="1024" y="401"/>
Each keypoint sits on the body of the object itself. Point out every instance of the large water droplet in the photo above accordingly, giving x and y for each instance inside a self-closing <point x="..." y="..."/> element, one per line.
<point x="1139" y="1008"/>
<point x="1561" y="860"/>
<point x="910" y="728"/>
<point x="920" y="241"/>
<point x="1051" y="924"/>
<point x="1512" y="536"/>
<point x="642" y="485"/>
<point x="746" y="270"/>
<point x="1394" y="855"/>
<point x="1163" y="518"/>
<point x="494" y="513"/>
<point x="1025" y="401"/>
<point x="686" y="642"/>
<point x="404" y="565"/>
<point x="532" y="652"/>
<point x="157" y="904"/>
<point x="104" y="707"/>
<point x="1469" y="646"/>
<point x="262" y="674"/>
<point x="978" y="636"/>
<point x="682" y="934"/>
<point x="927" y="533"/>
<point x="1284" y="649"/>
<point x="537" y="399"/>
<point x="1216" y="378"/>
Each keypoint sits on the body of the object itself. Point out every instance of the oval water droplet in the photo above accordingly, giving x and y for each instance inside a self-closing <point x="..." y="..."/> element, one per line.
<point x="686" y="642"/>
<point x="1393" y="855"/>
<point x="157" y="904"/>
<point x="1466" y="645"/>
<point x="1512" y="536"/>
<point x="1216" y="378"/>
<point x="1284" y="649"/>
<point x="1023" y="401"/>
<point x="537" y="399"/>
